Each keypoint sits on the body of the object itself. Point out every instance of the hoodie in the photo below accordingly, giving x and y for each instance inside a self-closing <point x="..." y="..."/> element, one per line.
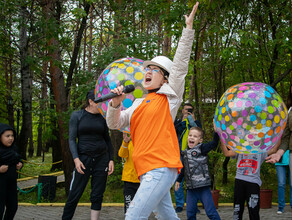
<point x="8" y="155"/>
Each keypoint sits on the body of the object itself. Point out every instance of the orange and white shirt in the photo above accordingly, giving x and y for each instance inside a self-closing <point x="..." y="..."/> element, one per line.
<point x="154" y="136"/>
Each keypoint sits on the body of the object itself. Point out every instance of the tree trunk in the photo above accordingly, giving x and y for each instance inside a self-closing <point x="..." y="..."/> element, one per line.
<point x="26" y="85"/>
<point x="52" y="11"/>
<point x="89" y="61"/>
<point x="77" y="44"/>
<point x="43" y="104"/>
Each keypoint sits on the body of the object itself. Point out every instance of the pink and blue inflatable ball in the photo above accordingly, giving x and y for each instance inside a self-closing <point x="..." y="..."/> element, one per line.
<point x="250" y="118"/>
<point x="125" y="71"/>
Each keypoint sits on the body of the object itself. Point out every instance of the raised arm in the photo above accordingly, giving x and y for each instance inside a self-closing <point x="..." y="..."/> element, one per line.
<point x="226" y="152"/>
<point x="190" y="19"/>
<point x="182" y="55"/>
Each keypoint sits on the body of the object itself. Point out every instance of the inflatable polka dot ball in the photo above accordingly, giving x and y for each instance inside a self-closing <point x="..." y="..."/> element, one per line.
<point x="250" y="118"/>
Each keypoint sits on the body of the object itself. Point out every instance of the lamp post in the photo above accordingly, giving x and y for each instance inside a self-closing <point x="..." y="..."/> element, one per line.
<point x="10" y="111"/>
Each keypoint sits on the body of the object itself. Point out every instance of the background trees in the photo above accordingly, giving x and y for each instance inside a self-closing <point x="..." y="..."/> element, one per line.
<point x="52" y="52"/>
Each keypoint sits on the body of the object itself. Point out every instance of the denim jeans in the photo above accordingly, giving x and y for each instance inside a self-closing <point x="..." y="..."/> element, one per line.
<point x="281" y="175"/>
<point x="154" y="195"/>
<point x="204" y="195"/>
<point x="180" y="195"/>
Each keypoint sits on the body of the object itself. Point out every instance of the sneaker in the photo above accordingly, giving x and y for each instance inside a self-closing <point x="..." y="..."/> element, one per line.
<point x="178" y="209"/>
<point x="280" y="212"/>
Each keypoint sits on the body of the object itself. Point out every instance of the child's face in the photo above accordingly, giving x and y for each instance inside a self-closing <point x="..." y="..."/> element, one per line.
<point x="7" y="138"/>
<point x="153" y="78"/>
<point x="194" y="138"/>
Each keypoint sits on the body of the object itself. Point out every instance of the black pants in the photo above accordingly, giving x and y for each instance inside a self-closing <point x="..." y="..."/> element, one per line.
<point x="130" y="190"/>
<point x="246" y="192"/>
<point x="8" y="193"/>
<point x="97" y="168"/>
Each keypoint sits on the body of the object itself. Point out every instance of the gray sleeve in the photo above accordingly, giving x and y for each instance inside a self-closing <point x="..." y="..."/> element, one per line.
<point x="73" y="127"/>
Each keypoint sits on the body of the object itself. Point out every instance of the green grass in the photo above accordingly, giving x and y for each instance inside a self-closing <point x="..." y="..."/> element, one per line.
<point x="114" y="189"/>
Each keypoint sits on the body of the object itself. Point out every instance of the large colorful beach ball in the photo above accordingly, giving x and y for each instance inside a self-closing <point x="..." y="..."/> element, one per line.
<point x="250" y="118"/>
<point x="125" y="71"/>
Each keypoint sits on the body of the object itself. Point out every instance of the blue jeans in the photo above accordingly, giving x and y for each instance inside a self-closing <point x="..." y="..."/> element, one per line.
<point x="204" y="195"/>
<point x="154" y="195"/>
<point x="180" y="195"/>
<point x="281" y="175"/>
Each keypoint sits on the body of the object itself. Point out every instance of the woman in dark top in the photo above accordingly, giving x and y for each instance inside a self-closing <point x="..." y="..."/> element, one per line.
<point x="92" y="155"/>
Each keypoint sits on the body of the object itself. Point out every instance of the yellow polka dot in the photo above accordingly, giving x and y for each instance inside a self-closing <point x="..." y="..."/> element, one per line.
<point x="283" y="115"/>
<point x="130" y="69"/>
<point x="222" y="102"/>
<point x="277" y="118"/>
<point x="139" y="75"/>
<point x="223" y="110"/>
<point x="239" y="147"/>
<point x="122" y="66"/>
<point x="113" y="64"/>
<point x="259" y="126"/>
<point x="227" y="118"/>
<point x="268" y="123"/>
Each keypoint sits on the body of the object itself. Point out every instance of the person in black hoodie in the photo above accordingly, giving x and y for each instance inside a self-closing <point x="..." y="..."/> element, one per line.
<point x="9" y="162"/>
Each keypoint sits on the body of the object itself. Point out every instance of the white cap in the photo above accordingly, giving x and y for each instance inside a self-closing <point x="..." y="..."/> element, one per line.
<point x="160" y="61"/>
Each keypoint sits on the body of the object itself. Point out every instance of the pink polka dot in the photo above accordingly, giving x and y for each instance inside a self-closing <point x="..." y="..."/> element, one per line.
<point x="240" y="95"/>
<point x="275" y="139"/>
<point x="104" y="107"/>
<point x="239" y="121"/>
<point x="243" y="88"/>
<point x="267" y="140"/>
<point x="250" y="136"/>
<point x="232" y="137"/>
<point x="228" y="130"/>
<point x="239" y="104"/>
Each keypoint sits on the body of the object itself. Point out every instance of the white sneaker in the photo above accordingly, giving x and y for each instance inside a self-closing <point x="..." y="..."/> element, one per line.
<point x="279" y="212"/>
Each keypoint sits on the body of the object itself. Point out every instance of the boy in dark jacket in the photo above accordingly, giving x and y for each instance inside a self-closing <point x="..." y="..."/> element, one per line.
<point x="196" y="173"/>
<point x="9" y="162"/>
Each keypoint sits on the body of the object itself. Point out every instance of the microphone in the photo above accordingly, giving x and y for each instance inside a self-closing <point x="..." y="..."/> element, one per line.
<point x="127" y="89"/>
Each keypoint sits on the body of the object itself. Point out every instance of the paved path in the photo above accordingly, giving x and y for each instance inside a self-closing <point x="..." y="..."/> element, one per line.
<point x="116" y="213"/>
<point x="43" y="211"/>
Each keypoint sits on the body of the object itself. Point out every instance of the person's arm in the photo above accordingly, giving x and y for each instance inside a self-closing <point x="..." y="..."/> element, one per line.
<point x="182" y="55"/>
<point x="285" y="139"/>
<point x="124" y="151"/>
<point x="180" y="127"/>
<point x="206" y="147"/>
<point x="108" y="141"/>
<point x="274" y="158"/>
<point x="110" y="149"/>
<point x="181" y="175"/>
<point x="73" y="129"/>
<point x="179" y="179"/>
<point x="283" y="143"/>
<point x="115" y="118"/>
<point x="226" y="152"/>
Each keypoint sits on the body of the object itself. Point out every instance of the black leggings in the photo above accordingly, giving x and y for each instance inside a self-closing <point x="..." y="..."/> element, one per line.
<point x="246" y="192"/>
<point x="97" y="168"/>
<point x="8" y="193"/>
<point x="130" y="190"/>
